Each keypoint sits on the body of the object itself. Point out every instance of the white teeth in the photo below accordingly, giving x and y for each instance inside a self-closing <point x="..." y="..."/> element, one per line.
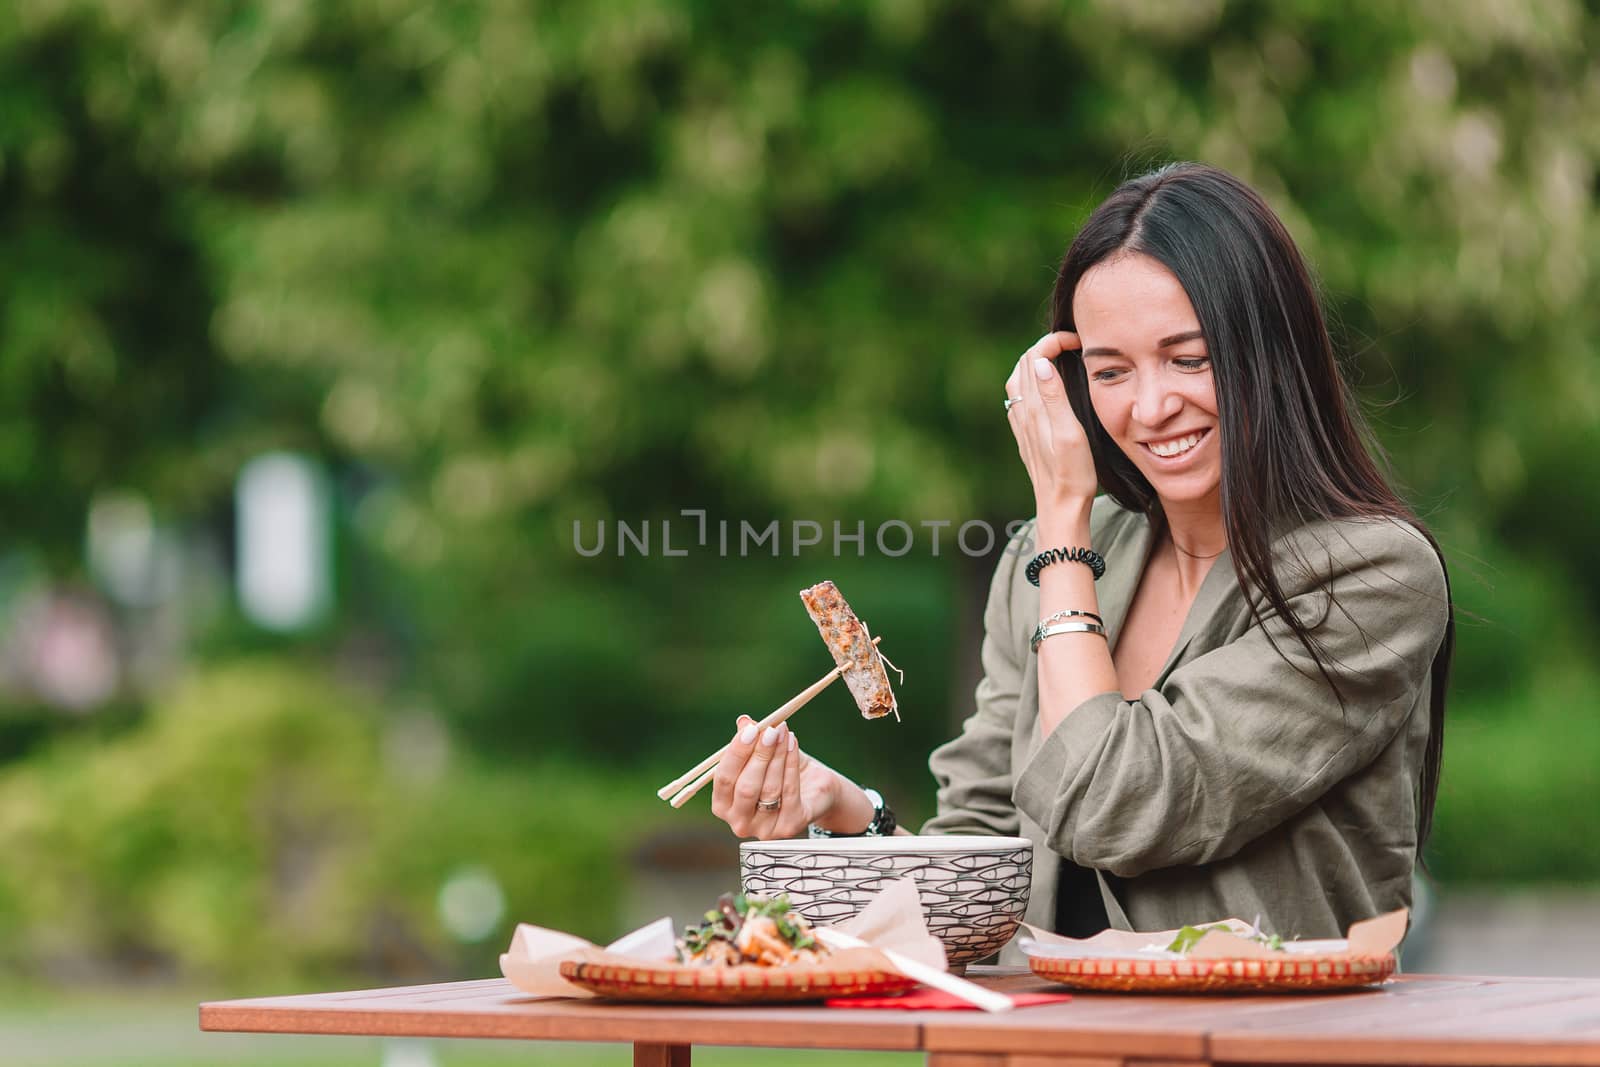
<point x="1168" y="449"/>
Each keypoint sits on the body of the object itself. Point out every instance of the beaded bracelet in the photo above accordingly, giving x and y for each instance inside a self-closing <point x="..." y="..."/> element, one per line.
<point x="1087" y="556"/>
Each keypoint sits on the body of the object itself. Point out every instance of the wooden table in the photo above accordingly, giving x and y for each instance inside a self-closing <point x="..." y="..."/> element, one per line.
<point x="1416" y="1020"/>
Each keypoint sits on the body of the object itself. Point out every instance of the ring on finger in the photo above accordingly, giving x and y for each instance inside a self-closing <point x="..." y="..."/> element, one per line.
<point x="1010" y="400"/>
<point x="770" y="805"/>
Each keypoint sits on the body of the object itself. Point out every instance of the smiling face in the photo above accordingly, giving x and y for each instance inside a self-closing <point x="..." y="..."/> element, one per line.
<point x="1150" y="376"/>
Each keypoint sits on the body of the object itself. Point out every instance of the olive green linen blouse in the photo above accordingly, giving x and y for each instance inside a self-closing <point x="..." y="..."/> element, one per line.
<point x="1236" y="785"/>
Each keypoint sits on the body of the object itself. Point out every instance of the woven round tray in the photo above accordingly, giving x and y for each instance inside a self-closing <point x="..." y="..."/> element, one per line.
<point x="1287" y="975"/>
<point x="728" y="985"/>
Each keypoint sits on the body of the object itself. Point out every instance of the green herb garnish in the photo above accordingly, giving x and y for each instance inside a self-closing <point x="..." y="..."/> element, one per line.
<point x="723" y="922"/>
<point x="1190" y="936"/>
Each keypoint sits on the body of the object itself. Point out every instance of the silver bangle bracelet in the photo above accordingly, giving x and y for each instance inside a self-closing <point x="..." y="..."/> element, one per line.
<point x="1072" y="613"/>
<point x="1066" y="628"/>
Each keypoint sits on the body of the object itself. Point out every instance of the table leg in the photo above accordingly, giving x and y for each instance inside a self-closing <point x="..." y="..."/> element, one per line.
<point x="648" y="1055"/>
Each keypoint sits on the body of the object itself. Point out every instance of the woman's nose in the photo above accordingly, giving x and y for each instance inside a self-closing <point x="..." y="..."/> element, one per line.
<point x="1155" y="402"/>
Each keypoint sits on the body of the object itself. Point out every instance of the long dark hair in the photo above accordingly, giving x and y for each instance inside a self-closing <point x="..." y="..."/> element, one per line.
<point x="1295" y="447"/>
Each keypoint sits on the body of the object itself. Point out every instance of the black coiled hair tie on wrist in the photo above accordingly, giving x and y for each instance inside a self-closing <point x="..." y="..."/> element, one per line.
<point x="1086" y="556"/>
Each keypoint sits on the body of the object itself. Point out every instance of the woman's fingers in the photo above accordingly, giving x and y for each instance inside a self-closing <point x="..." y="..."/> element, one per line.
<point x="1034" y="363"/>
<point x="769" y="805"/>
<point x="1024" y="385"/>
<point x="761" y="766"/>
<point x="1053" y="344"/>
<point x="1017" y="414"/>
<point x="1025" y="376"/>
<point x="1046" y="387"/>
<point x="1054" y="407"/>
<point x="731" y="766"/>
<point x="1014" y="412"/>
<point x="1032" y="433"/>
<point x="792" y="816"/>
<point x="747" y="788"/>
<point x="1050" y="440"/>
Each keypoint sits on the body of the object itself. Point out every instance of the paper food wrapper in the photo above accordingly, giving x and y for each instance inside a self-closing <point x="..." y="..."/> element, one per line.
<point x="1371" y="937"/>
<point x="893" y="920"/>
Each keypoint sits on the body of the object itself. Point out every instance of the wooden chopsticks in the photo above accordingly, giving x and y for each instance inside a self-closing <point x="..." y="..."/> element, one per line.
<point x="686" y="786"/>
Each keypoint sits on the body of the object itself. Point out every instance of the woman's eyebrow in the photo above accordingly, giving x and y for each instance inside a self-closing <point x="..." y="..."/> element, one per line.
<point x="1165" y="342"/>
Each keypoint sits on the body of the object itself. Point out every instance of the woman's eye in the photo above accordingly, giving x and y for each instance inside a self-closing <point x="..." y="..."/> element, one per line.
<point x="1193" y="362"/>
<point x="1108" y="375"/>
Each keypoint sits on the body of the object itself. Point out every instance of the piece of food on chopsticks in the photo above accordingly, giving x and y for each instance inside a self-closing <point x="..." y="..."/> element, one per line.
<point x="856" y="658"/>
<point x="750" y="930"/>
<point x="846" y="636"/>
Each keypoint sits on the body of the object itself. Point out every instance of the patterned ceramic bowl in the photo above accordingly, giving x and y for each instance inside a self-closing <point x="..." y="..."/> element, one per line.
<point x="974" y="889"/>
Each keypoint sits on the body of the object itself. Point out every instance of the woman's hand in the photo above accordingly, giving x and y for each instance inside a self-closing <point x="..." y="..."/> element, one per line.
<point x="1054" y="447"/>
<point x="766" y="787"/>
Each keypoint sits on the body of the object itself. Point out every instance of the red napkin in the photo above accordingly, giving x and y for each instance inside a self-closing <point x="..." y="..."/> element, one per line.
<point x="938" y="1000"/>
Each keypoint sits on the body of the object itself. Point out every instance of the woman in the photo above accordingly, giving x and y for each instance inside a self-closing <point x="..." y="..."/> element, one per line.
<point x="1245" y="715"/>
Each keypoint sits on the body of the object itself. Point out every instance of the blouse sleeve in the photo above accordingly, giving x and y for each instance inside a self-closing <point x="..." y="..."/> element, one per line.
<point x="1243" y="738"/>
<point x="974" y="769"/>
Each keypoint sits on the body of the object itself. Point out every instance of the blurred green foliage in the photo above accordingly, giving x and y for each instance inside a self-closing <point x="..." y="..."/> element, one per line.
<point x="508" y="267"/>
<point x="1522" y="772"/>
<point x="252" y="827"/>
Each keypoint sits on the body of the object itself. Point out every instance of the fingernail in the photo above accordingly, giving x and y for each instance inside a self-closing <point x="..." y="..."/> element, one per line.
<point x="1041" y="368"/>
<point x="768" y="736"/>
<point x="748" y="734"/>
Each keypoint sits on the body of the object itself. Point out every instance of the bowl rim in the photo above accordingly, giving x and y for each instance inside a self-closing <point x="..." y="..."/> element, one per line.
<point x="904" y="844"/>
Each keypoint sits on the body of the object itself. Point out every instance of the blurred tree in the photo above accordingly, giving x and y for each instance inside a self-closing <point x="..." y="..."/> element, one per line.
<point x="107" y="375"/>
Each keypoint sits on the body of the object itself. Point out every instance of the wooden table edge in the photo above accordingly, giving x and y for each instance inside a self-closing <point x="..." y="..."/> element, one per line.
<point x="957" y="1037"/>
<point x="939" y="1036"/>
<point x="898" y="1032"/>
<point x="1387" y="1050"/>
